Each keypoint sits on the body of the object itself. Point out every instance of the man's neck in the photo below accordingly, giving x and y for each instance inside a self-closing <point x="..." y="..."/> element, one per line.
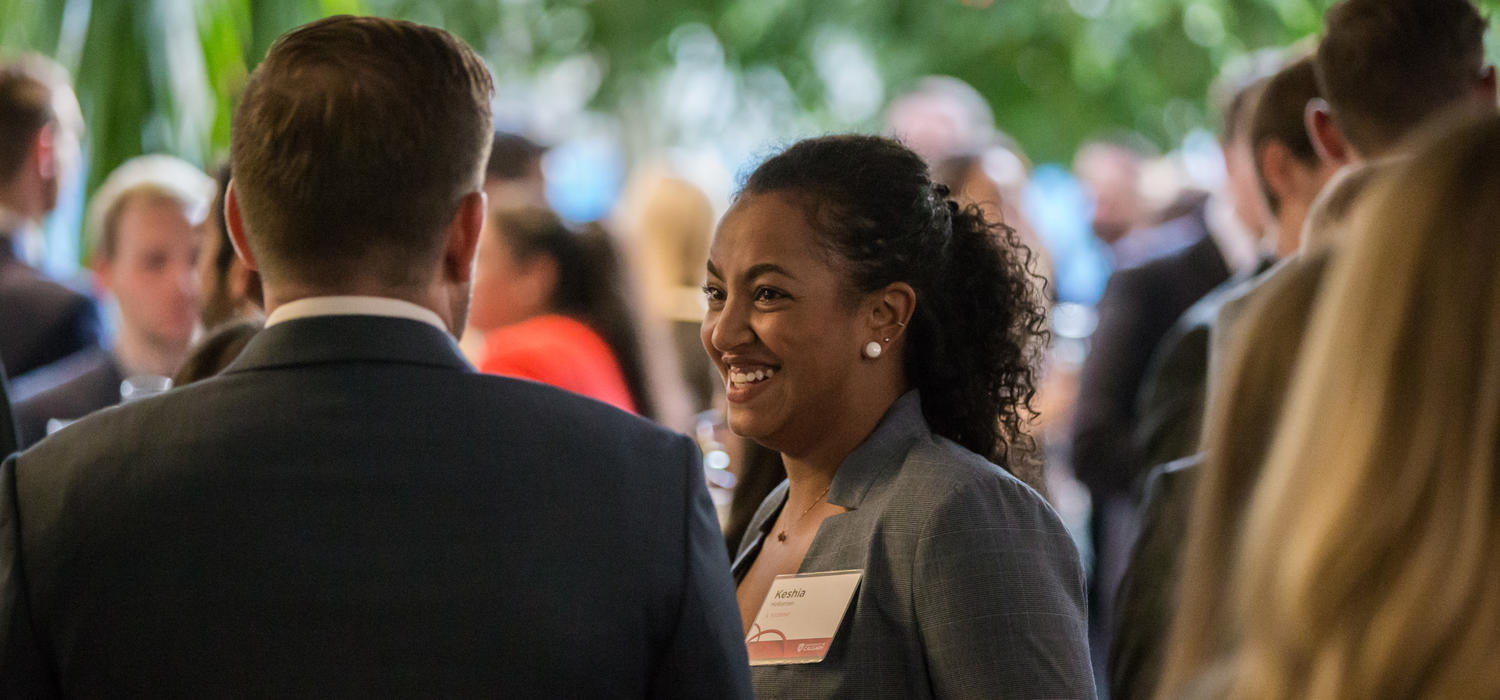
<point x="278" y="295"/>
<point x="138" y="354"/>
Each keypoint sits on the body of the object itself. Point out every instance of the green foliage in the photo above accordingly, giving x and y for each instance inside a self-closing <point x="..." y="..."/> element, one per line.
<point x="163" y="74"/>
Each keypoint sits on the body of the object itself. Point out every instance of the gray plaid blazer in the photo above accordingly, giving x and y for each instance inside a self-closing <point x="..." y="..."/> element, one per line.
<point x="972" y="588"/>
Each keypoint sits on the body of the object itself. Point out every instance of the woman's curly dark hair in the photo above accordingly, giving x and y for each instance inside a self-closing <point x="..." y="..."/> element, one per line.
<point x="979" y="321"/>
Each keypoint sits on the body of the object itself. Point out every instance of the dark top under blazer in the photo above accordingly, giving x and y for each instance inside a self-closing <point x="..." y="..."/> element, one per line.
<point x="351" y="511"/>
<point x="971" y="587"/>
<point x="41" y="321"/>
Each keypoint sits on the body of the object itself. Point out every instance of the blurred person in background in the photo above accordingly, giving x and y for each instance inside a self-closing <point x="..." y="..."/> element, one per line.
<point x="41" y="321"/>
<point x="880" y="337"/>
<point x="550" y="305"/>
<point x="233" y="308"/>
<point x="1291" y="174"/>
<point x="146" y="223"/>
<point x="1368" y="559"/>
<point x="1174" y="391"/>
<point x="941" y="117"/>
<point x="664" y="224"/>
<point x="231" y="291"/>
<point x="1379" y="93"/>
<point x="1110" y="173"/>
<point x="1138" y="308"/>
<point x="514" y="176"/>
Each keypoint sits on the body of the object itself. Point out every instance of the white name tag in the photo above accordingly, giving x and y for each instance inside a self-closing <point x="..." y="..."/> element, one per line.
<point x="800" y="616"/>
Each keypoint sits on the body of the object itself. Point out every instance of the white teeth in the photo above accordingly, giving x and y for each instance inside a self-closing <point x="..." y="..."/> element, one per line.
<point x="751" y="377"/>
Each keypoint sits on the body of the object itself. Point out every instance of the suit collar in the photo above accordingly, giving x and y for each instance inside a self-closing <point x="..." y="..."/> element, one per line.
<point x="349" y="338"/>
<point x="881" y="454"/>
<point x="876" y="459"/>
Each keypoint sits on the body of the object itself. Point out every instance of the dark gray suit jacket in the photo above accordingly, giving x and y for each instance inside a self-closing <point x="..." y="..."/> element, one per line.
<point x="351" y="511"/>
<point x="971" y="587"/>
<point x="41" y="321"/>
<point x="67" y="390"/>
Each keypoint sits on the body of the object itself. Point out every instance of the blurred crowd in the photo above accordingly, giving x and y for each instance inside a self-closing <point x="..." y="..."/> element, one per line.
<point x="1272" y="436"/>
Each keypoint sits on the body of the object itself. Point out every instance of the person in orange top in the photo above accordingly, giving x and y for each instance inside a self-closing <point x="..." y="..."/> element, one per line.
<point x="549" y="306"/>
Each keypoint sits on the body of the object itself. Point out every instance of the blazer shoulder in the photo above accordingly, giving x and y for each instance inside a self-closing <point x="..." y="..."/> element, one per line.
<point x="957" y="481"/>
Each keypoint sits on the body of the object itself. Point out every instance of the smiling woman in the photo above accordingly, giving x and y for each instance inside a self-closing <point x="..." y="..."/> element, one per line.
<point x="879" y="337"/>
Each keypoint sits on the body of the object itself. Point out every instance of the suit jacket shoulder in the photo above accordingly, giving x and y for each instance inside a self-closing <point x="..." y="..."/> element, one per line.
<point x="350" y="509"/>
<point x="41" y="321"/>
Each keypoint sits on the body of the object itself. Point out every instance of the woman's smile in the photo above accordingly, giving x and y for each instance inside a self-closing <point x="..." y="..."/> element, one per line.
<point x="744" y="382"/>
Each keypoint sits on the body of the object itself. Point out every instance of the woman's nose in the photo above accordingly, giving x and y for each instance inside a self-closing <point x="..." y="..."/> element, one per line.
<point x="731" y="327"/>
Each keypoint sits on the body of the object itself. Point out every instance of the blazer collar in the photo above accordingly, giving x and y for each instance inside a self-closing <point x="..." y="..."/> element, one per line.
<point x="878" y="458"/>
<point x="881" y="454"/>
<point x="342" y="339"/>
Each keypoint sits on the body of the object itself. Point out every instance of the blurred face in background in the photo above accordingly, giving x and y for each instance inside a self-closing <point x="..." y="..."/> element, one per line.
<point x="1112" y="176"/>
<point x="152" y="272"/>
<point x="507" y="288"/>
<point x="1244" y="187"/>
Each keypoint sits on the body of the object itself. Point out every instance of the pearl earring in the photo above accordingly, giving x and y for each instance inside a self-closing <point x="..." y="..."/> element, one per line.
<point x="873" y="349"/>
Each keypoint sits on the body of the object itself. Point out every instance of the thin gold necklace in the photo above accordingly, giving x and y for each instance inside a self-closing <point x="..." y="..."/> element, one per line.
<point x="781" y="536"/>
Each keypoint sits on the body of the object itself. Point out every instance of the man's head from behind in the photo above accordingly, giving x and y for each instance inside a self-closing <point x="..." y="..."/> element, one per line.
<point x="358" y="152"/>
<point x="40" y="125"/>
<point x="1288" y="167"/>
<point x="1386" y="66"/>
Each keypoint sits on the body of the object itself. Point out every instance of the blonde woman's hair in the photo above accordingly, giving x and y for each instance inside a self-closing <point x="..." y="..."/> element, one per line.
<point x="1370" y="561"/>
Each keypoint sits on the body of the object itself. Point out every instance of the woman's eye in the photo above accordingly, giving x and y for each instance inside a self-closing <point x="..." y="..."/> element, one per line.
<point x="766" y="294"/>
<point x="712" y="293"/>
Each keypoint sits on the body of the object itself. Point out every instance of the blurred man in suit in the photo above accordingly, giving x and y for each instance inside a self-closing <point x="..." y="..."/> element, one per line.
<point x="146" y="223"/>
<point x="40" y="321"/>
<point x="1137" y="309"/>
<point x="1384" y="69"/>
<point x="1173" y="394"/>
<point x="350" y="510"/>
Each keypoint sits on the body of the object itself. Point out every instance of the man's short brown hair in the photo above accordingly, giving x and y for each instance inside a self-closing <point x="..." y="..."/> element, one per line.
<point x="1385" y="66"/>
<point x="352" y="146"/>
<point x="1279" y="117"/>
<point x="26" y="85"/>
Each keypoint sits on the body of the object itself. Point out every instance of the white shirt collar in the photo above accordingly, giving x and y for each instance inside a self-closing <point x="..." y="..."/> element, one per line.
<point x="354" y="306"/>
<point x="1236" y="242"/>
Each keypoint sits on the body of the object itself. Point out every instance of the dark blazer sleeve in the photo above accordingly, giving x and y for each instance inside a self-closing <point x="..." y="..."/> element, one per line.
<point x="24" y="671"/>
<point x="1170" y="413"/>
<point x="9" y="437"/>
<point x="999" y="596"/>
<point x="705" y="655"/>
<point x="1143" y="607"/>
<point x="1104" y="416"/>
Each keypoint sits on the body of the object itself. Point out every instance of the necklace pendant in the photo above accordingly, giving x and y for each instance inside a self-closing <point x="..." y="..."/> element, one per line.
<point x="781" y="536"/>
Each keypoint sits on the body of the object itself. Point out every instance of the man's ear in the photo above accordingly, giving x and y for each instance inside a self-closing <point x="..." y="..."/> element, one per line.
<point x="1486" y="88"/>
<point x="236" y="226"/>
<point x="463" y="237"/>
<point x="44" y="151"/>
<point x="1328" y="140"/>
